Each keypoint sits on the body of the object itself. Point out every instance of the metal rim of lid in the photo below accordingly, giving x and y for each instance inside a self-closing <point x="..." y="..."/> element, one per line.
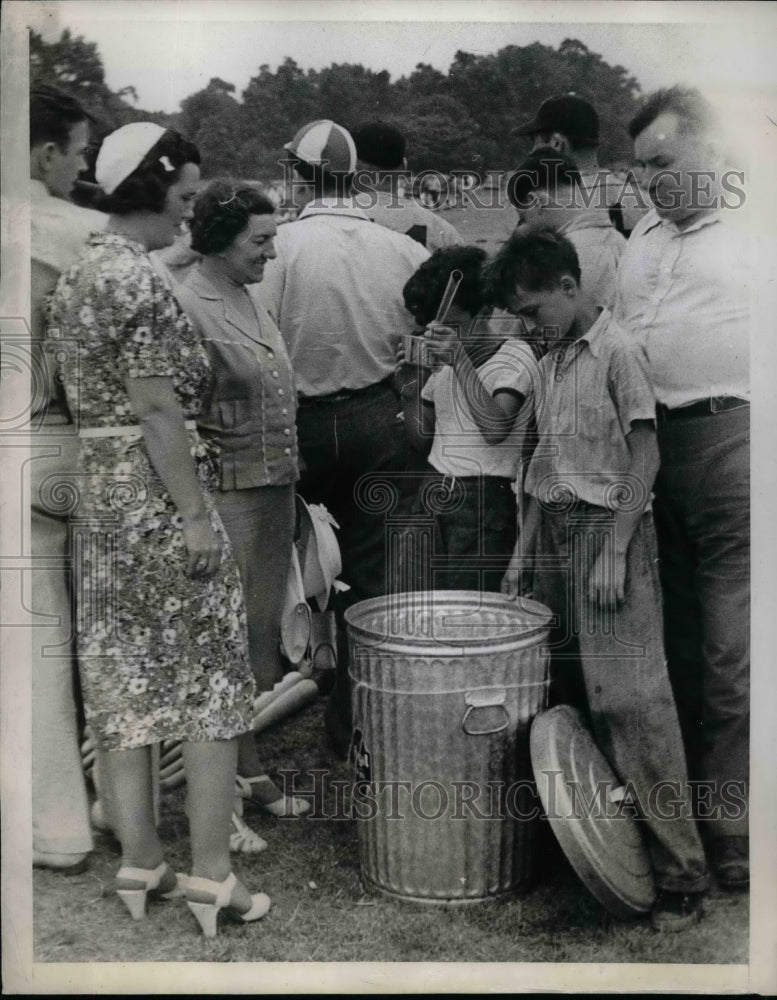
<point x="611" y="860"/>
<point x="461" y="601"/>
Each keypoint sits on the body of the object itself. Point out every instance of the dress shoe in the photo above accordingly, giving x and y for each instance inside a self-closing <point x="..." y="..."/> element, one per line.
<point x="731" y="861"/>
<point x="674" y="911"/>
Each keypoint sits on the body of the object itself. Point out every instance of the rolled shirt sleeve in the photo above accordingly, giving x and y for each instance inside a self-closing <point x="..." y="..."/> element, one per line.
<point x="629" y="386"/>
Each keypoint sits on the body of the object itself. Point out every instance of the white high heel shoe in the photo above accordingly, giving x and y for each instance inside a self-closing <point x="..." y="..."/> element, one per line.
<point x="207" y="913"/>
<point x="151" y="878"/>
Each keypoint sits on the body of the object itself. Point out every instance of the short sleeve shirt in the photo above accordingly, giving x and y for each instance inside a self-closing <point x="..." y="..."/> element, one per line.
<point x="593" y="390"/>
<point x="458" y="448"/>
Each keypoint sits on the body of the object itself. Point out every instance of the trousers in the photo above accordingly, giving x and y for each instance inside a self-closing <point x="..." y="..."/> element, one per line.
<point x="628" y="696"/>
<point x="474" y="530"/>
<point x="353" y="453"/>
<point x="702" y="510"/>
<point x="260" y="526"/>
<point x="60" y="810"/>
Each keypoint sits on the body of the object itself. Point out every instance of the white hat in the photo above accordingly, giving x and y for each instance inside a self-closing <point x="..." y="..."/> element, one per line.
<point x="325" y="144"/>
<point x="123" y="150"/>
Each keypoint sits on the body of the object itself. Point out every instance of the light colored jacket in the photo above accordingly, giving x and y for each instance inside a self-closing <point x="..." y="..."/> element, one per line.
<point x="250" y="409"/>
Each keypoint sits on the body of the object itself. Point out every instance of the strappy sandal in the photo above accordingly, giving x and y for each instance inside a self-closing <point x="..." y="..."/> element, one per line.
<point x="244" y="840"/>
<point x="134" y="897"/>
<point x="264" y="793"/>
<point x="207" y="913"/>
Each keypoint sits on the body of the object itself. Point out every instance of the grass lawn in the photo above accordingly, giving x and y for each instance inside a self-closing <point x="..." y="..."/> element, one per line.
<point x="322" y="913"/>
<point x="484" y="227"/>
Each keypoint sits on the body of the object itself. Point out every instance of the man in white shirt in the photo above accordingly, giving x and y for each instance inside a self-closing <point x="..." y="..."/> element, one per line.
<point x="60" y="817"/>
<point x="682" y="292"/>
<point x="380" y="149"/>
<point x="335" y="290"/>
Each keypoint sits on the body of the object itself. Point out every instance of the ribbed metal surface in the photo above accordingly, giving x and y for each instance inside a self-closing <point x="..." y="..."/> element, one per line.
<point x="424" y="668"/>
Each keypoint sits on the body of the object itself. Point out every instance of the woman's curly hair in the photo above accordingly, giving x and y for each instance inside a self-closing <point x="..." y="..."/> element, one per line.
<point x="222" y="211"/>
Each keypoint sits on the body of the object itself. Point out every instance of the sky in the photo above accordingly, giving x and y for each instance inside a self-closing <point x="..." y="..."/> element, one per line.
<point x="168" y="49"/>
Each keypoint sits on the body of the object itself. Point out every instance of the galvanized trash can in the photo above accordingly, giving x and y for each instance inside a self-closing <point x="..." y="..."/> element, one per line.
<point x="445" y="686"/>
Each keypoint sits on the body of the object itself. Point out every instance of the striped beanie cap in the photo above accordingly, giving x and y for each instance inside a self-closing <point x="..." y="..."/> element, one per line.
<point x="326" y="145"/>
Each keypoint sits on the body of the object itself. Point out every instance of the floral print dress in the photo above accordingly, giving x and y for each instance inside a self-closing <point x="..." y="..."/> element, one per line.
<point x="161" y="655"/>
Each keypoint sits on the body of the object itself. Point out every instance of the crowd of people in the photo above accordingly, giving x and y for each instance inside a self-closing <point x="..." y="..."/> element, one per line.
<point x="576" y="427"/>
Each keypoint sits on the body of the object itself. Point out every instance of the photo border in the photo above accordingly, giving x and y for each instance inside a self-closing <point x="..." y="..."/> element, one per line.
<point x="21" y="974"/>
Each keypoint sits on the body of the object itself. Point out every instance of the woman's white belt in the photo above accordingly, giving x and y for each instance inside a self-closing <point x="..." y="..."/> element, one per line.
<point x="130" y="430"/>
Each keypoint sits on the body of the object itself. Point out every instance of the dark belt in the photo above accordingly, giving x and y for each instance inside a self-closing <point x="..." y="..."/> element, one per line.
<point x="449" y="481"/>
<point x="704" y="408"/>
<point x="343" y="394"/>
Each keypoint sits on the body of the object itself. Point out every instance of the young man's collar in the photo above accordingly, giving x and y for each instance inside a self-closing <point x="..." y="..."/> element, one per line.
<point x="38" y="190"/>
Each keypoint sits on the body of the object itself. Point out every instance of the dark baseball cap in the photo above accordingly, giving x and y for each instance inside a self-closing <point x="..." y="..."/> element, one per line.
<point x="568" y="114"/>
<point x="380" y="144"/>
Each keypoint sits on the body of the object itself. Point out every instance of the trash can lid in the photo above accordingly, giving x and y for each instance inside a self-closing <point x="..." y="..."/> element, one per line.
<point x="588" y="810"/>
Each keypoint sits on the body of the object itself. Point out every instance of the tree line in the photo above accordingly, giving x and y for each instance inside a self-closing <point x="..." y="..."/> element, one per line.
<point x="459" y="120"/>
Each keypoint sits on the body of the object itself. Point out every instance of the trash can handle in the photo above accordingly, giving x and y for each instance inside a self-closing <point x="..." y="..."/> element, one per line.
<point x="492" y="698"/>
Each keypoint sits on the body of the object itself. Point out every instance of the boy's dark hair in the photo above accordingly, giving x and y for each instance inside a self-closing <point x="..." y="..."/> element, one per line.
<point x="325" y="183"/>
<point x="222" y="211"/>
<point x="543" y="170"/>
<point x="146" y="187"/>
<point x="695" y="113"/>
<point x="534" y="257"/>
<point x="379" y="144"/>
<point x="424" y="290"/>
<point x="53" y="114"/>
